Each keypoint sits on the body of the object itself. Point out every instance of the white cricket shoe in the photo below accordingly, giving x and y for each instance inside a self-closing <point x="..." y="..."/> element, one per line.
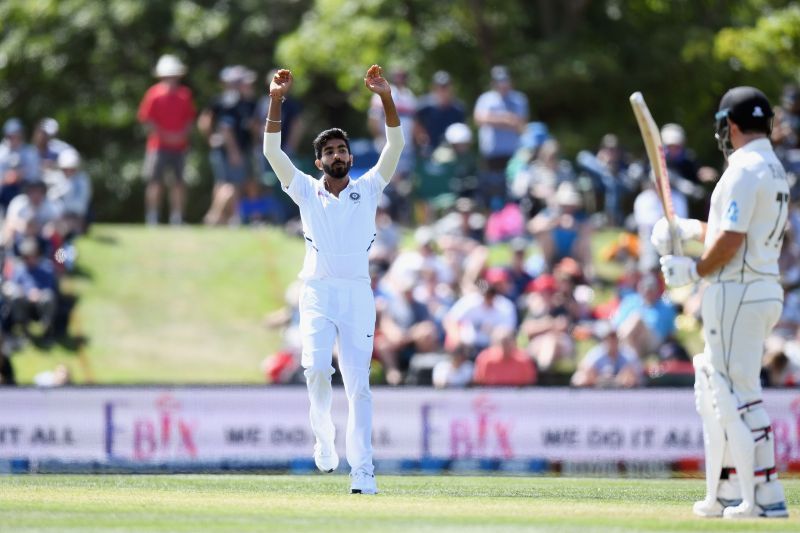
<point x="743" y="510"/>
<point x="362" y="483"/>
<point x="708" y="508"/>
<point x="325" y="457"/>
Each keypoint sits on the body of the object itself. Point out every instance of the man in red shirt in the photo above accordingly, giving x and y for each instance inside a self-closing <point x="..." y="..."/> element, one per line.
<point x="167" y="112"/>
<point x="503" y="363"/>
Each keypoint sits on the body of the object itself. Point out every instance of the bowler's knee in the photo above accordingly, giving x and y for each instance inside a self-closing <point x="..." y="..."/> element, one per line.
<point x="316" y="373"/>
<point x="357" y="385"/>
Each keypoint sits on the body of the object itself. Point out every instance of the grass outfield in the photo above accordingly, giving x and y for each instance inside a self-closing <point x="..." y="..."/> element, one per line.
<point x="172" y="305"/>
<point x="321" y="503"/>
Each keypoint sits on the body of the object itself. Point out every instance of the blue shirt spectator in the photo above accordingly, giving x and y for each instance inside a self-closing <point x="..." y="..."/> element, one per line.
<point x="501" y="114"/>
<point x="645" y="319"/>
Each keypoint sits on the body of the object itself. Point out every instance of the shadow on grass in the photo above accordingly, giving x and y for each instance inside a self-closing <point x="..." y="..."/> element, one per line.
<point x="79" y="272"/>
<point x="60" y="336"/>
<point x="104" y="238"/>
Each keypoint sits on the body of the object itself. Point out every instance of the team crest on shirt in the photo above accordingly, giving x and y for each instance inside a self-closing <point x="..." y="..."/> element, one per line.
<point x="733" y="212"/>
<point x="355" y="196"/>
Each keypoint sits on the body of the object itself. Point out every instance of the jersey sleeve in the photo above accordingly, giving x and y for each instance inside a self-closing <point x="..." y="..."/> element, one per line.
<point x="300" y="188"/>
<point x="738" y="200"/>
<point x="379" y="176"/>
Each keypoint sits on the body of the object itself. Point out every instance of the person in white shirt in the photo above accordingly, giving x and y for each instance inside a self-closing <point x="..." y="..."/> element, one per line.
<point x="741" y="305"/>
<point x="337" y="303"/>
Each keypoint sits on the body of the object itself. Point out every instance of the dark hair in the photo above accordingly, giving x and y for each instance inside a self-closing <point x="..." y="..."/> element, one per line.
<point x="327" y="135"/>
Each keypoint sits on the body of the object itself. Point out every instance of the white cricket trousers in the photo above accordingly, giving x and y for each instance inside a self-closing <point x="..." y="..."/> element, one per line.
<point x="342" y="312"/>
<point x="737" y="318"/>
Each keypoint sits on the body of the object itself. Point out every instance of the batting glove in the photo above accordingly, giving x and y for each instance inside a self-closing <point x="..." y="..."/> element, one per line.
<point x="679" y="270"/>
<point x="687" y="228"/>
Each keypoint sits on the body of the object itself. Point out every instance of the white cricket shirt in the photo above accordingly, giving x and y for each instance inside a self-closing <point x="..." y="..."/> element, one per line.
<point x="751" y="197"/>
<point x="338" y="232"/>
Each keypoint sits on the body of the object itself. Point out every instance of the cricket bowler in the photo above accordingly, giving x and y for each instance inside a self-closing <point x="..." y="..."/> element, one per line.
<point x="336" y="302"/>
<point x="742" y="302"/>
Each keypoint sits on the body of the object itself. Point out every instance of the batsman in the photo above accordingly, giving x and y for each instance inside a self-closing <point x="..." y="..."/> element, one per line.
<point x="742" y="302"/>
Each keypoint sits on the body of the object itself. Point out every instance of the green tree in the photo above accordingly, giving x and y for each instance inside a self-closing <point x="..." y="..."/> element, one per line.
<point x="87" y="63"/>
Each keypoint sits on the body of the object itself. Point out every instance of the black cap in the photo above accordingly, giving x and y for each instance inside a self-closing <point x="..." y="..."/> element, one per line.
<point x="747" y="107"/>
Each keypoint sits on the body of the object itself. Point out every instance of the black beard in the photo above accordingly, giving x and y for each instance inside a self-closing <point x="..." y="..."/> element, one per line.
<point x="341" y="171"/>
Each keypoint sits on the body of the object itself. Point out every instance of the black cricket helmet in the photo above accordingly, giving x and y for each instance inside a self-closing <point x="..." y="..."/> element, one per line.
<point x="748" y="108"/>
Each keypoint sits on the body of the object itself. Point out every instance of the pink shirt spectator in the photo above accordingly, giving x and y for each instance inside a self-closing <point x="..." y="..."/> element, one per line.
<point x="493" y="367"/>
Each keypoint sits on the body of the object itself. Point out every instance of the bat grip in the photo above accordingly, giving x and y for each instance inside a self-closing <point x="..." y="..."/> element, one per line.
<point x="677" y="245"/>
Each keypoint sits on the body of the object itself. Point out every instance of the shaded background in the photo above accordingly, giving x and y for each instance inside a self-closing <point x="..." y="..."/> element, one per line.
<point x="87" y="63"/>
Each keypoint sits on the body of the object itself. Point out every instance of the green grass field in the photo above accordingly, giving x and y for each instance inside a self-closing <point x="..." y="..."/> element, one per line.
<point x="172" y="305"/>
<point x="320" y="503"/>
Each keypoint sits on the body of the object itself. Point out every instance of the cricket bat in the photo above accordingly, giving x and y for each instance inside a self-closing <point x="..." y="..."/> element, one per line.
<point x="655" y="154"/>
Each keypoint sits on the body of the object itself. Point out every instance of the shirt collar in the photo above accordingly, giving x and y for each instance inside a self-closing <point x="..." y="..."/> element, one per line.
<point x="757" y="145"/>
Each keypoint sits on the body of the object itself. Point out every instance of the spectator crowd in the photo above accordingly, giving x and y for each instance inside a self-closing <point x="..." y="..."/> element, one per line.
<point x="500" y="286"/>
<point x="45" y="205"/>
<point x="504" y="278"/>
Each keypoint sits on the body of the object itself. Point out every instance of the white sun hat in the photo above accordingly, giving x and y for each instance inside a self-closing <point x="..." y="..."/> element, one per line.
<point x="69" y="158"/>
<point x="169" y="65"/>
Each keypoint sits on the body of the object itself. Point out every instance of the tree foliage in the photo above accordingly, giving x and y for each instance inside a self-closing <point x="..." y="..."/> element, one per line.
<point x="88" y="62"/>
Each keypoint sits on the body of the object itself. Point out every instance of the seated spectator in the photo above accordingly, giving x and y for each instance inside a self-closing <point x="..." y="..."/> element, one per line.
<point x="779" y="371"/>
<point x="645" y="319"/>
<point x="407" y="328"/>
<point x="47" y="145"/>
<point x="540" y="180"/>
<point x="505" y="222"/>
<point x="564" y="229"/>
<point x="436" y="296"/>
<point x="455" y="371"/>
<point x="518" y="169"/>
<point x="387" y="238"/>
<point x="259" y="205"/>
<point x="611" y="180"/>
<point x="504" y="363"/>
<point x="31" y="214"/>
<point x="549" y="321"/>
<point x="32" y="289"/>
<point x="474" y="317"/>
<point x="19" y="161"/>
<point x="70" y="193"/>
<point x="685" y="175"/>
<point x="518" y="271"/>
<point x="463" y="226"/>
<point x="409" y="263"/>
<point x="608" y="364"/>
<point x="674" y="368"/>
<point x="451" y="171"/>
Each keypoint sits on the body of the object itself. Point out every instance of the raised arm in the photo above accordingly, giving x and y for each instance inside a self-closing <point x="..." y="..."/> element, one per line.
<point x="390" y="155"/>
<point x="278" y="160"/>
